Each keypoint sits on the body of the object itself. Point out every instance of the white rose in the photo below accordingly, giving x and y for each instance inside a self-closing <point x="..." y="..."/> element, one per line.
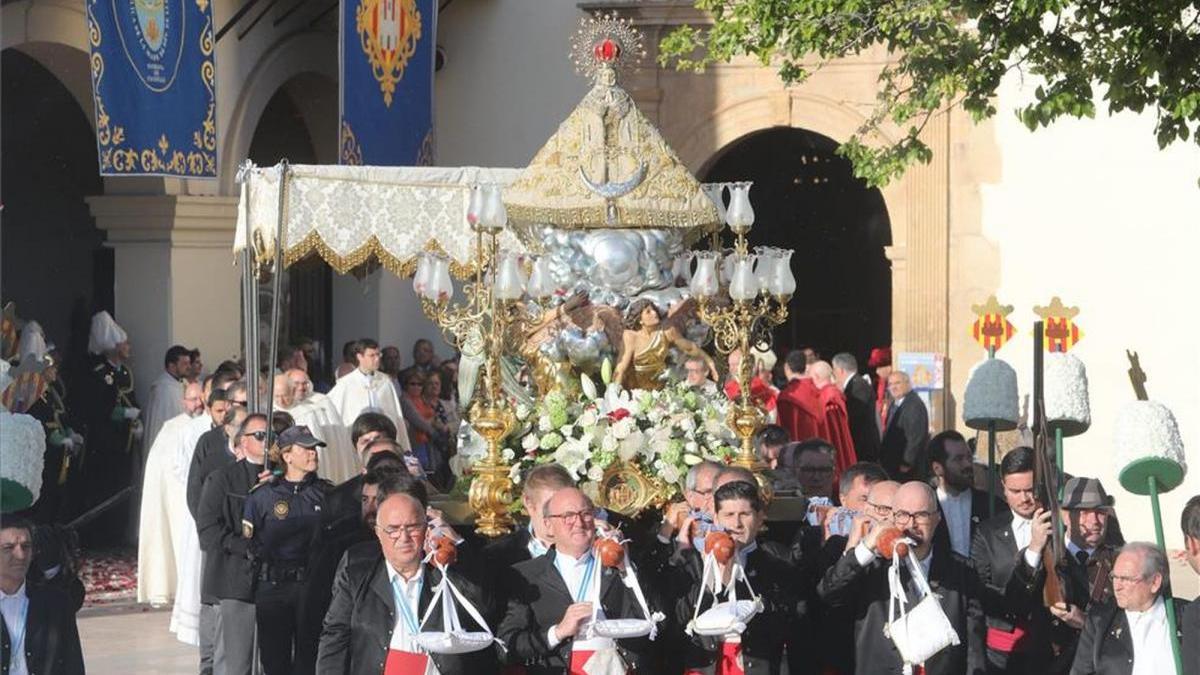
<point x="609" y="443"/>
<point x="691" y="446"/>
<point x="687" y="423"/>
<point x="595" y="473"/>
<point x="544" y="424"/>
<point x="622" y="428"/>
<point x="587" y="420"/>
<point x="509" y="454"/>
<point x="670" y="474"/>
<point x="591" y="489"/>
<point x="529" y="442"/>
<point x="514" y="473"/>
<point x="629" y="448"/>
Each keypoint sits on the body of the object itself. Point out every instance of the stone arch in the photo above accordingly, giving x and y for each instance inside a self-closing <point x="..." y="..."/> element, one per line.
<point x="293" y="56"/>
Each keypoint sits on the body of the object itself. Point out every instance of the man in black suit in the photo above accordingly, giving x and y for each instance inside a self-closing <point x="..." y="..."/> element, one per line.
<point x="213" y="450"/>
<point x="37" y="622"/>
<point x="227" y="574"/>
<point x="1190" y="521"/>
<point x="1132" y="635"/>
<point x="1086" y="569"/>
<point x="902" y="450"/>
<point x="741" y="512"/>
<point x="859" y="581"/>
<point x="549" y="606"/>
<point x="382" y="591"/>
<point x="1007" y="553"/>
<point x="860" y="407"/>
<point x="963" y="507"/>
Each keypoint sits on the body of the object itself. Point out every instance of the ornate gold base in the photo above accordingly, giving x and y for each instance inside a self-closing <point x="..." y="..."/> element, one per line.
<point x="745" y="421"/>
<point x="492" y="490"/>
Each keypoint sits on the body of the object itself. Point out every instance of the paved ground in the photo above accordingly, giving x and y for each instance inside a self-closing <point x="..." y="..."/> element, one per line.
<point x="133" y="639"/>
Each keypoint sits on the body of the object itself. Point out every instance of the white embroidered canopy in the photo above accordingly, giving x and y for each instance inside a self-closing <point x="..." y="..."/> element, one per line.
<point x="348" y="214"/>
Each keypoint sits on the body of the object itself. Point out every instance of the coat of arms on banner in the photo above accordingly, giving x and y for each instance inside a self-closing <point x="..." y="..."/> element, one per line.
<point x="389" y="31"/>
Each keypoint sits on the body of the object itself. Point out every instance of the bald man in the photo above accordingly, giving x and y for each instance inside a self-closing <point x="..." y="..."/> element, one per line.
<point x="837" y="419"/>
<point x="859" y="581"/>
<point x="337" y="461"/>
<point x="906" y="431"/>
<point x="549" y="606"/>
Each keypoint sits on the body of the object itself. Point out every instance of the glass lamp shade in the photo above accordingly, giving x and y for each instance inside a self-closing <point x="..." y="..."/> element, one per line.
<point x="510" y="280"/>
<point x="782" y="283"/>
<point x="540" y="286"/>
<point x="740" y="216"/>
<point x="743" y="285"/>
<point x="727" y="264"/>
<point x="716" y="193"/>
<point x="704" y="281"/>
<point x="440" y="288"/>
<point x="475" y="207"/>
<point x="422" y="276"/>
<point x="764" y="270"/>
<point x="493" y="216"/>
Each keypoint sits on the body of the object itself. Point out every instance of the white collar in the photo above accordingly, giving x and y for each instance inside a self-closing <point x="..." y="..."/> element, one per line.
<point x="573" y="561"/>
<point x="944" y="496"/>
<point x="19" y="594"/>
<point x="393" y="575"/>
<point x="1021" y="523"/>
<point x="1157" y="612"/>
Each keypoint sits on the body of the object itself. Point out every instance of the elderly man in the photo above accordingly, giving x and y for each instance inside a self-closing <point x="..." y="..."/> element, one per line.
<point x="860" y="406"/>
<point x="382" y="591"/>
<point x="1131" y="637"/>
<point x="814" y="464"/>
<point x="837" y="419"/>
<point x="902" y="450"/>
<point x="337" y="460"/>
<point x="859" y="581"/>
<point x="696" y="375"/>
<point x="550" y="607"/>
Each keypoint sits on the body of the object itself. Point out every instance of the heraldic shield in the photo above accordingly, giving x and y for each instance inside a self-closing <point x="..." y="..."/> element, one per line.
<point x="388" y="31"/>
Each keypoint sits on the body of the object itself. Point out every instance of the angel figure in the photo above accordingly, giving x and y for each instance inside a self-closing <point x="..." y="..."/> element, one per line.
<point x="645" y="343"/>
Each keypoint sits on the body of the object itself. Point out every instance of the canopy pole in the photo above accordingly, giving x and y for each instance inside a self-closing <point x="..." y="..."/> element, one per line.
<point x="276" y="290"/>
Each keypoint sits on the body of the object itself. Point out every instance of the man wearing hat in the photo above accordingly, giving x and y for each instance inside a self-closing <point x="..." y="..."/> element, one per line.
<point x="1086" y="570"/>
<point x="280" y="519"/>
<point x="109" y="409"/>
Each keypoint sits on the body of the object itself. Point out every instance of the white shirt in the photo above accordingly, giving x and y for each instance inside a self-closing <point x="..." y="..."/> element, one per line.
<point x="958" y="519"/>
<point x="1022" y="530"/>
<point x="403" y="636"/>
<point x="573" y="571"/>
<point x="1151" y="637"/>
<point x="15" y="609"/>
<point x="535" y="546"/>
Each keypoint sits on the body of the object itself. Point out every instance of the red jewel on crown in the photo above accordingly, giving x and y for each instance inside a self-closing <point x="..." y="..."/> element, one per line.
<point x="606" y="50"/>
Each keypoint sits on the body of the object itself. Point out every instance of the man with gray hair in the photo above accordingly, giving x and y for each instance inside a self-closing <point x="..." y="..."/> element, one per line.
<point x="860" y="407"/>
<point x="905" y="432"/>
<point x="1132" y="636"/>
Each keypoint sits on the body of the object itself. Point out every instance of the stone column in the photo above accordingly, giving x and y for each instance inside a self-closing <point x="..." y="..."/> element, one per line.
<point x="176" y="281"/>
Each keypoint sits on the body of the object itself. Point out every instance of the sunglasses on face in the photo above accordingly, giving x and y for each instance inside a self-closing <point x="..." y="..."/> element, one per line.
<point x="257" y="435"/>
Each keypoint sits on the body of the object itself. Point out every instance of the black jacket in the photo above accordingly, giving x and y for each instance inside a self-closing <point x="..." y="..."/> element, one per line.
<point x="776" y="580"/>
<point x="1106" y="647"/>
<point x="904" y="438"/>
<point x="211" y="453"/>
<point x="980" y="513"/>
<point x="1083" y="586"/>
<point x="865" y="591"/>
<point x="228" y="572"/>
<point x="340" y="528"/>
<point x="51" y="638"/>
<point x="358" y="627"/>
<point x="824" y="641"/>
<point x="1011" y="595"/>
<point x="1191" y="647"/>
<point x="537" y="599"/>
<point x="864" y="421"/>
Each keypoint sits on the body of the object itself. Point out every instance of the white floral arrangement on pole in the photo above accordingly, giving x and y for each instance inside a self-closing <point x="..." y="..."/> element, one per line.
<point x="661" y="432"/>
<point x="24" y="443"/>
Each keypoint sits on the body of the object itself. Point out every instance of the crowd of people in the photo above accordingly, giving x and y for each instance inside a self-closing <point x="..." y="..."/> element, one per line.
<point x="269" y="555"/>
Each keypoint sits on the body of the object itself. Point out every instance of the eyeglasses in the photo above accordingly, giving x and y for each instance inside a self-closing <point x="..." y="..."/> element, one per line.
<point x="256" y="435"/>
<point x="572" y="517"/>
<point x="1126" y="580"/>
<point x="902" y="518"/>
<point x="880" y="508"/>
<point x="816" y="470"/>
<point x="237" y="402"/>
<point x="704" y="493"/>
<point x="411" y="529"/>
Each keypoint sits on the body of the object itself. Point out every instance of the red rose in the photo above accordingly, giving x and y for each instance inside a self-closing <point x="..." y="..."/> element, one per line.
<point x="618" y="414"/>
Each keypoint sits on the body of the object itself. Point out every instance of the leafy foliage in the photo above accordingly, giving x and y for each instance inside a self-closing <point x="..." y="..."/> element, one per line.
<point x="1137" y="54"/>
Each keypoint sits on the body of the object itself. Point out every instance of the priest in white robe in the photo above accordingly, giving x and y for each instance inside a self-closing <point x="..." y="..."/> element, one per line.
<point x="166" y="394"/>
<point x="164" y="514"/>
<point x="337" y="461"/>
<point x="366" y="389"/>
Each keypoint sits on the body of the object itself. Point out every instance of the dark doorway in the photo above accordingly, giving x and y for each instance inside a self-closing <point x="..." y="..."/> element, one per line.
<point x="55" y="267"/>
<point x="283" y="133"/>
<point x="806" y="198"/>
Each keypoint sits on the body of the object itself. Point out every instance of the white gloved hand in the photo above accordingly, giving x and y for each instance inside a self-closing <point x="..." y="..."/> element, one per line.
<point x="132" y="413"/>
<point x="76" y="438"/>
<point x="68" y="444"/>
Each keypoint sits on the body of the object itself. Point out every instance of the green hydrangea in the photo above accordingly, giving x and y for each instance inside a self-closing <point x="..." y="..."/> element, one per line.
<point x="550" y="441"/>
<point x="603" y="458"/>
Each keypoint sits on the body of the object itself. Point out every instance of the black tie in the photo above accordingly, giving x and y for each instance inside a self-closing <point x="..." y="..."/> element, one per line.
<point x="1082" y="557"/>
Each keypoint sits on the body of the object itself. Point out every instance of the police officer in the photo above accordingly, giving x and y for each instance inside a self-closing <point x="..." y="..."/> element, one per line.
<point x="281" y="518"/>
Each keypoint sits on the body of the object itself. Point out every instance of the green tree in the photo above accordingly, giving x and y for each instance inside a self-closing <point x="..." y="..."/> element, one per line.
<point x="1132" y="54"/>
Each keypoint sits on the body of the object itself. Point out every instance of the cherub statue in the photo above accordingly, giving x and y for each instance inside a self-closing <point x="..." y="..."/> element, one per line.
<point x="644" y="346"/>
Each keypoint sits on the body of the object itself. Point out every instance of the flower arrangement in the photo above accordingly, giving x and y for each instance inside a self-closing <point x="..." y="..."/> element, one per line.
<point x="660" y="433"/>
<point x="24" y="443"/>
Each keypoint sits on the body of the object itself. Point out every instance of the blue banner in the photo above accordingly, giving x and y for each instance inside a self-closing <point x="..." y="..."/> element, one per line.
<point x="387" y="50"/>
<point x="154" y="87"/>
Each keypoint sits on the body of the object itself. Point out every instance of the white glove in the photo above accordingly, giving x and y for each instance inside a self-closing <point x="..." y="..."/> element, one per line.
<point x="132" y="413"/>
<point x="137" y="429"/>
<point x="76" y="439"/>
<point x="68" y="444"/>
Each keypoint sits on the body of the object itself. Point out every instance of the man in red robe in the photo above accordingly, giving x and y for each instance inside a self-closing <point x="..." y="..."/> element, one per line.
<point x="798" y="406"/>
<point x="762" y="393"/>
<point x="837" y="420"/>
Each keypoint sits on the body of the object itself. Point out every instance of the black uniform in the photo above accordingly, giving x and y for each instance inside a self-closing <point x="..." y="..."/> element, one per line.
<point x="104" y="396"/>
<point x="281" y="518"/>
<point x="51" y="411"/>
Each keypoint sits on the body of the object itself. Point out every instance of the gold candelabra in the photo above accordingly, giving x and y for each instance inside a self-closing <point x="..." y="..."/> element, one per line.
<point x="488" y="325"/>
<point x="759" y="287"/>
